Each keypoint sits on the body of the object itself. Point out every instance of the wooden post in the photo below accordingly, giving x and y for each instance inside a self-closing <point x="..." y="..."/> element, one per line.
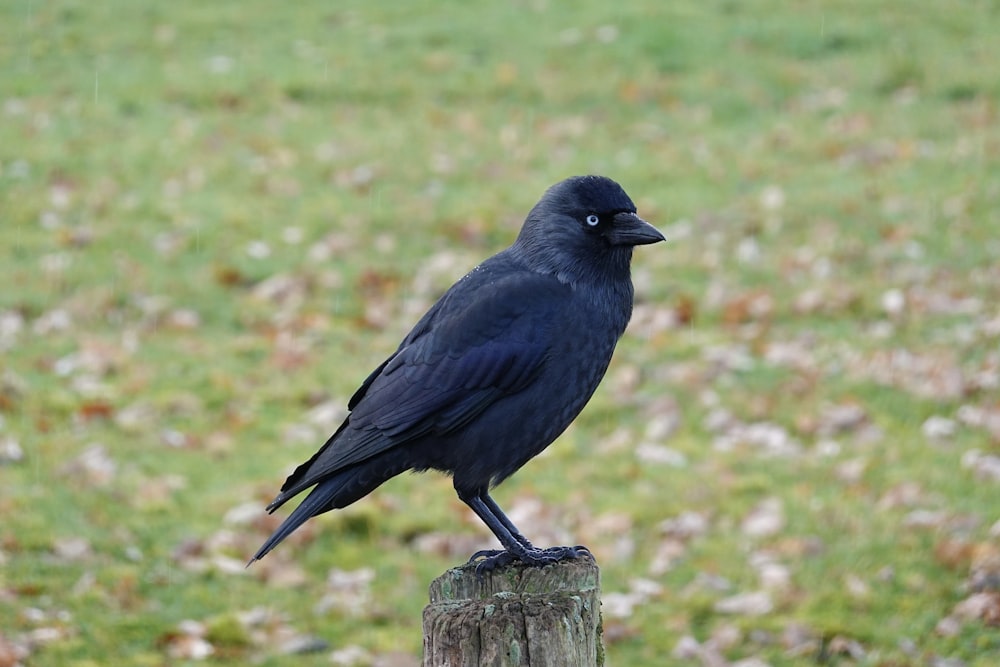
<point x="516" y="616"/>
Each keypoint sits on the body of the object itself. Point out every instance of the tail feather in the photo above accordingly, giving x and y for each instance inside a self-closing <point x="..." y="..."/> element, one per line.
<point x="334" y="492"/>
<point x="317" y="502"/>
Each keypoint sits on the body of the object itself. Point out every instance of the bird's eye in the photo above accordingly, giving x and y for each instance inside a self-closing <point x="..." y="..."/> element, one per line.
<point x="592" y="220"/>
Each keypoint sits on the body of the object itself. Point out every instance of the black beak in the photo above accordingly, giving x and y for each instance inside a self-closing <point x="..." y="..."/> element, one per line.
<point x="630" y="229"/>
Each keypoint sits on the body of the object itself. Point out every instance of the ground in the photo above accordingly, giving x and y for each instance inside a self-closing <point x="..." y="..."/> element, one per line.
<point x="218" y="217"/>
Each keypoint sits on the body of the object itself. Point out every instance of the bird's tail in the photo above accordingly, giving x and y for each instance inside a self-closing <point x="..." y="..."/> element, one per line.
<point x="315" y="503"/>
<point x="334" y="492"/>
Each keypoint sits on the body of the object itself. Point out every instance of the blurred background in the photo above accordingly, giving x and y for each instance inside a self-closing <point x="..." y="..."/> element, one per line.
<point x="217" y="218"/>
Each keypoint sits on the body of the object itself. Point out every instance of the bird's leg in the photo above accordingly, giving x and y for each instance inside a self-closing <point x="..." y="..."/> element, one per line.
<point x="514" y="547"/>
<point x="503" y="518"/>
<point x="499" y="514"/>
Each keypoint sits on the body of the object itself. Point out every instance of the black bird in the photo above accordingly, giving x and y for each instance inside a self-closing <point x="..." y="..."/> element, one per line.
<point x="494" y="371"/>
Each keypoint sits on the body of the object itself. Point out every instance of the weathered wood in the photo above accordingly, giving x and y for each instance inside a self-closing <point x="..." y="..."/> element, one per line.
<point x="516" y="616"/>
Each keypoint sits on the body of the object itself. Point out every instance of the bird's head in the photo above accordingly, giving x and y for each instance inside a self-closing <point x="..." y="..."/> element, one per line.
<point x="584" y="227"/>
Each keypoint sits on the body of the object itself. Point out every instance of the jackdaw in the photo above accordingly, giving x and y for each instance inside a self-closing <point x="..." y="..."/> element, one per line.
<point x="494" y="371"/>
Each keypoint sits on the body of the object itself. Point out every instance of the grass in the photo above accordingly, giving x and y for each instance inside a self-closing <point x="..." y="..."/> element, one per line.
<point x="163" y="165"/>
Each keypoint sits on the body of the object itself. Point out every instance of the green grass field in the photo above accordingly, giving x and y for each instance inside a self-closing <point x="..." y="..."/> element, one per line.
<point x="216" y="218"/>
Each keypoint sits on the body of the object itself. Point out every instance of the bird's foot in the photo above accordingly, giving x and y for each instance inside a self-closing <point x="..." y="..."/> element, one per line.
<point x="491" y="553"/>
<point x="533" y="557"/>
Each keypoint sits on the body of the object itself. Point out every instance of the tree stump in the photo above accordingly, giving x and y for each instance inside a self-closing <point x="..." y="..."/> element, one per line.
<point x="516" y="616"/>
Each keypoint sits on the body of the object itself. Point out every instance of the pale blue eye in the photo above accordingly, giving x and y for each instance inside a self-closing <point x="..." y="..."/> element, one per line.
<point x="592" y="220"/>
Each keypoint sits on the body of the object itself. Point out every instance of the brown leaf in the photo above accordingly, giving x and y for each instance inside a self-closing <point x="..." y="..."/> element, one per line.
<point x="187" y="642"/>
<point x="12" y="654"/>
<point x="230" y="276"/>
<point x="95" y="410"/>
<point x="281" y="573"/>
<point x="800" y="640"/>
<point x="841" y="418"/>
<point x="748" y="307"/>
<point x="983" y="607"/>
<point x="841" y="645"/>
<point x="158" y="492"/>
<point x="685" y="309"/>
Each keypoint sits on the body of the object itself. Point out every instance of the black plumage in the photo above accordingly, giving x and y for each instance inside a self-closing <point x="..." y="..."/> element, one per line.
<point x="494" y="371"/>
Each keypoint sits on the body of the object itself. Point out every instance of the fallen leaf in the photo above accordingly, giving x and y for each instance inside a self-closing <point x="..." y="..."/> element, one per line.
<point x="71" y="549"/>
<point x="94" y="465"/>
<point x="350" y="656"/>
<point x="765" y="519"/>
<point x="95" y="410"/>
<point x="984" y="467"/>
<point x="755" y="603"/>
<point x="230" y="276"/>
<point x="13" y="653"/>
<point x="347" y="591"/>
<point x="10" y="450"/>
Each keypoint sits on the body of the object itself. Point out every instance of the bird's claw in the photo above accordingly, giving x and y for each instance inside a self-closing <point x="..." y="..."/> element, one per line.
<point x="493" y="559"/>
<point x="486" y="554"/>
<point x="496" y="560"/>
<point x="568" y="552"/>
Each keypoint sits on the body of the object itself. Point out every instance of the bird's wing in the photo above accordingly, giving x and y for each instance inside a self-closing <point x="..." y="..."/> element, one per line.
<point x="487" y="337"/>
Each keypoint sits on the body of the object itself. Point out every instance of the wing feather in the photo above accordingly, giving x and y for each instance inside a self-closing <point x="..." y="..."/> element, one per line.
<point x="488" y="337"/>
